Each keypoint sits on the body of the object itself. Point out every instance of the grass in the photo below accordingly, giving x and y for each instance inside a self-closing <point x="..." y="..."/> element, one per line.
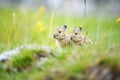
<point x="69" y="62"/>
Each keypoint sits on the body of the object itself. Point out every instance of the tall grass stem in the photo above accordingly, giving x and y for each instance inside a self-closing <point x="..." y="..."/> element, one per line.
<point x="51" y="24"/>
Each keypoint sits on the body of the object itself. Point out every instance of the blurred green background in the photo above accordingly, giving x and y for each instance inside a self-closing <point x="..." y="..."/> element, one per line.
<point x="24" y="22"/>
<point x="35" y="21"/>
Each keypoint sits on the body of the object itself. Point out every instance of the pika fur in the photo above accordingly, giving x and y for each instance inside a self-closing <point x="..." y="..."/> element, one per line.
<point x="61" y="36"/>
<point x="78" y="38"/>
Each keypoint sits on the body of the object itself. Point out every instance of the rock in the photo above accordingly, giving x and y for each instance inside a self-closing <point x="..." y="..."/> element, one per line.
<point x="6" y="55"/>
<point x="100" y="71"/>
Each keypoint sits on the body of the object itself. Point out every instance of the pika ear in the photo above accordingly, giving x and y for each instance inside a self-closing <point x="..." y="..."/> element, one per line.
<point x="80" y="29"/>
<point x="65" y="27"/>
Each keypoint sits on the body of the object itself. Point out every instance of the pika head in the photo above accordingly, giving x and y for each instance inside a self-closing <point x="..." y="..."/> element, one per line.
<point x="60" y="33"/>
<point x="76" y="35"/>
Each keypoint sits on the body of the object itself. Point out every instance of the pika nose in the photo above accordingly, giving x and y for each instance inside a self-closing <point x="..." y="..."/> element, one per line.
<point x="70" y="38"/>
<point x="54" y="36"/>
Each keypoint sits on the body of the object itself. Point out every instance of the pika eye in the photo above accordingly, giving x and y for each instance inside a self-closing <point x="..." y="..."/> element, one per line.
<point x="75" y="33"/>
<point x="59" y="31"/>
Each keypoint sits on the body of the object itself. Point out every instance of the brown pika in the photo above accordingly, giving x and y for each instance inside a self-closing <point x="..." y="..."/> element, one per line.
<point x="61" y="36"/>
<point x="78" y="38"/>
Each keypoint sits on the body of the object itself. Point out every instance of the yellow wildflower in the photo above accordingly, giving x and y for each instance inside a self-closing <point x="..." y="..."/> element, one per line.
<point x="118" y="20"/>
<point x="39" y="26"/>
<point x="42" y="9"/>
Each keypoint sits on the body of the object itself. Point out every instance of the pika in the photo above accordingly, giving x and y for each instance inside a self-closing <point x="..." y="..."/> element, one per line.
<point x="78" y="38"/>
<point x="62" y="37"/>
